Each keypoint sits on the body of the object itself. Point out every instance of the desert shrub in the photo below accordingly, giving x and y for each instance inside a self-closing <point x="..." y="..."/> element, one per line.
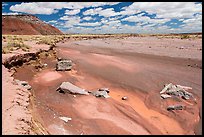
<point x="51" y="40"/>
<point x="185" y="37"/>
<point x="15" y="45"/>
<point x="47" y="41"/>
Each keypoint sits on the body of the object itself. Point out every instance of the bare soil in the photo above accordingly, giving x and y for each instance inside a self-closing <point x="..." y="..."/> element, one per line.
<point x="134" y="67"/>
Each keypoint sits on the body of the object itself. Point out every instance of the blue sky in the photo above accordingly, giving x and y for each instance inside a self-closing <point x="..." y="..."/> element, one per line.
<point x="114" y="17"/>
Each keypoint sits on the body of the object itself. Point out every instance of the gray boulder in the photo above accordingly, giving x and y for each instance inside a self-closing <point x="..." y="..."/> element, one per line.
<point x="67" y="87"/>
<point x="104" y="89"/>
<point x="64" y="65"/>
<point x="175" y="107"/>
<point x="164" y="96"/>
<point x="100" y="94"/>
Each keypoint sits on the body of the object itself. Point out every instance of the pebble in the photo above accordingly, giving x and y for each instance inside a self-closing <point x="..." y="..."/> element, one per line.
<point x="124" y="98"/>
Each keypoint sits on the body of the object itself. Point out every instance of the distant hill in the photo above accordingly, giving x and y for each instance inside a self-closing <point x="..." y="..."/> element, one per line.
<point x="26" y="25"/>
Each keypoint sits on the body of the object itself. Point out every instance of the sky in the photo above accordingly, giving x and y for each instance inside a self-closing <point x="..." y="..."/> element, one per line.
<point x="114" y="17"/>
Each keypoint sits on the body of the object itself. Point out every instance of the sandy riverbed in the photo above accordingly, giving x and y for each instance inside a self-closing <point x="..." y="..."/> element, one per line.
<point x="134" y="67"/>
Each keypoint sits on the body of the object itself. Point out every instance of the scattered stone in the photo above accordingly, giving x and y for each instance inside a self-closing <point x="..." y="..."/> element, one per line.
<point x="64" y="65"/>
<point x="124" y="98"/>
<point x="175" y="107"/>
<point x="59" y="59"/>
<point x="184" y="87"/>
<point x="100" y="94"/>
<point x="28" y="87"/>
<point x="23" y="84"/>
<point x="181" y="47"/>
<point x="166" y="88"/>
<point x="74" y="96"/>
<point x="176" y="90"/>
<point x="164" y="96"/>
<point x="70" y="88"/>
<point x="104" y="89"/>
<point x="66" y="119"/>
<point x="45" y="65"/>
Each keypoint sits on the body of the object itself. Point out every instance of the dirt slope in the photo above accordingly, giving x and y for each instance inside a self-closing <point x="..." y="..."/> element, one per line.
<point x="26" y="25"/>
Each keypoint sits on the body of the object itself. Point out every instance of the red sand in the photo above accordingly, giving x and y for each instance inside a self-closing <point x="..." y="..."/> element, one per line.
<point x="125" y="72"/>
<point x="16" y="117"/>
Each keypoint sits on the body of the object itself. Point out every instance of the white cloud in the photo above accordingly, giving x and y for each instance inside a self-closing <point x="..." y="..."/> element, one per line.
<point x="80" y="5"/>
<point x="70" y="21"/>
<point x="92" y="11"/>
<point x="72" y="12"/>
<point x="11" y="13"/>
<point x="145" y="19"/>
<point x="90" y="24"/>
<point x="111" y="20"/>
<point x="33" y="8"/>
<point x="107" y="12"/>
<point x="52" y="21"/>
<point x="168" y="9"/>
<point x="87" y="18"/>
<point x="48" y="8"/>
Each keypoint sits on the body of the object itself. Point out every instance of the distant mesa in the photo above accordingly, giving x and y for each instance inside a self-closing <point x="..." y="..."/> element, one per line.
<point x="27" y="25"/>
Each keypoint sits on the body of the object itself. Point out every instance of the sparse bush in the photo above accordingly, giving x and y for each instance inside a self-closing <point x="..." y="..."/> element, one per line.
<point x="185" y="37"/>
<point x="15" y="45"/>
<point x="47" y="41"/>
<point x="51" y="40"/>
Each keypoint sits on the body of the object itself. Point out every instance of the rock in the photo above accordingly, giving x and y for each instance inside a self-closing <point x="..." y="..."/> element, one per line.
<point x="45" y="65"/>
<point x="184" y="87"/>
<point x="104" y="89"/>
<point x="70" y="88"/>
<point x="124" y="98"/>
<point x="28" y="87"/>
<point x="181" y="47"/>
<point x="177" y="90"/>
<point x="164" y="96"/>
<point x="166" y="88"/>
<point x="59" y="59"/>
<point x="64" y="65"/>
<point x="100" y="94"/>
<point x="23" y="84"/>
<point x="175" y="107"/>
<point x="66" y="119"/>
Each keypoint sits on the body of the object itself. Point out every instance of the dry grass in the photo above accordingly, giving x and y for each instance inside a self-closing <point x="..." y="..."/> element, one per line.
<point x="15" y="44"/>
<point x="17" y="41"/>
<point x="51" y="39"/>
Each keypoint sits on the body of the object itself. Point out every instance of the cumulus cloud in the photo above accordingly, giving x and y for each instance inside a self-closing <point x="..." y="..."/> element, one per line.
<point x="145" y="19"/>
<point x="90" y="24"/>
<point x="33" y="8"/>
<point x="10" y="13"/>
<point x="92" y="11"/>
<point x="72" y="12"/>
<point x="52" y="21"/>
<point x="107" y="12"/>
<point x="87" y="18"/>
<point x="107" y="20"/>
<point x="48" y="8"/>
<point x="167" y="9"/>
